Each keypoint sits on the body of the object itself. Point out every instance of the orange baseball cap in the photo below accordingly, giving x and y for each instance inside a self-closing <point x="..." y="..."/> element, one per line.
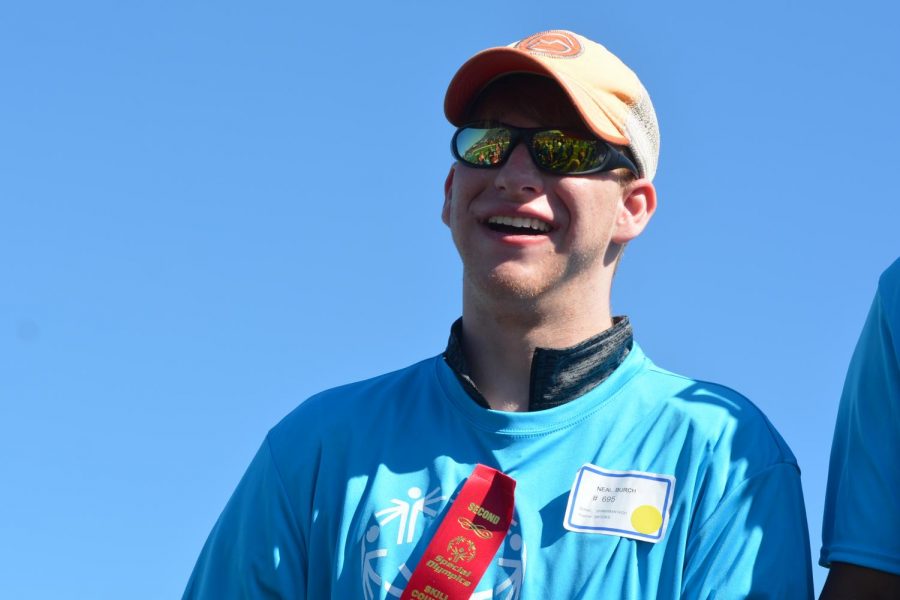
<point x="607" y="94"/>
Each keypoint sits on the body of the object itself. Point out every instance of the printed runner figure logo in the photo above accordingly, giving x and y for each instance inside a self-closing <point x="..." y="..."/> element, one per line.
<point x="369" y="575"/>
<point x="408" y="512"/>
<point x="513" y="581"/>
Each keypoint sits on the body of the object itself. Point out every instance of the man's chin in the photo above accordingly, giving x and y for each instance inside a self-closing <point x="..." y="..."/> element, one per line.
<point x="512" y="285"/>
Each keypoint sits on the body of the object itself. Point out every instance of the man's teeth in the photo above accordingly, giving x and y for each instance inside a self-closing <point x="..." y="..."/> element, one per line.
<point x="521" y="222"/>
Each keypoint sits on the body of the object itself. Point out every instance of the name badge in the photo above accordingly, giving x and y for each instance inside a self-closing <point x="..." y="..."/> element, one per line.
<point x="631" y="504"/>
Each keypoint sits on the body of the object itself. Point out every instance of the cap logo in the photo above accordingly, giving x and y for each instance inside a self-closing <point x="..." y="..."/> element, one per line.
<point x="557" y="44"/>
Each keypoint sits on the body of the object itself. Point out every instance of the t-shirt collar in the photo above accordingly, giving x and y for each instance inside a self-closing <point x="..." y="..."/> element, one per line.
<point x="557" y="375"/>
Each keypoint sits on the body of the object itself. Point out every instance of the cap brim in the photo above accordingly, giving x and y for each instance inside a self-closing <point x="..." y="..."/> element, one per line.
<point x="486" y="66"/>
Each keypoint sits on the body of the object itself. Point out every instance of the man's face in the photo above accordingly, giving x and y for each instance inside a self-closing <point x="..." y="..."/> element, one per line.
<point x="572" y="251"/>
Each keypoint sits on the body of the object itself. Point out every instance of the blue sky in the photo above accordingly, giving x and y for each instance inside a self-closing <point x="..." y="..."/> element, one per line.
<point x="198" y="231"/>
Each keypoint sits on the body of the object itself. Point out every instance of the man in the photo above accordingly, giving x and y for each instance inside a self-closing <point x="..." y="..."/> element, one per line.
<point x="630" y="482"/>
<point x="861" y="527"/>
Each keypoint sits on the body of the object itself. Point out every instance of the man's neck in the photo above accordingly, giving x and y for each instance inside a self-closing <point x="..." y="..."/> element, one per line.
<point x="499" y="340"/>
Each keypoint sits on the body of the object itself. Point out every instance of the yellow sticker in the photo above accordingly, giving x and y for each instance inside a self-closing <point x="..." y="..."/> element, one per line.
<point x="646" y="519"/>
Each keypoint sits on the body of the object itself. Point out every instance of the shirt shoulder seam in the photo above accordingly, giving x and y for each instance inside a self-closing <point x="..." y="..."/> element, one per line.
<point x="294" y="521"/>
<point x="784" y="452"/>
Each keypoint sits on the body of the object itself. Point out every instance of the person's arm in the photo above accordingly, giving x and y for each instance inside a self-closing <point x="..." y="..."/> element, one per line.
<point x="861" y="524"/>
<point x="852" y="582"/>
<point x="256" y="549"/>
<point x="755" y="544"/>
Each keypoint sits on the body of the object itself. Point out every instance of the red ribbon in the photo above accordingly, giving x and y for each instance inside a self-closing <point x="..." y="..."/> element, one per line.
<point x="467" y="540"/>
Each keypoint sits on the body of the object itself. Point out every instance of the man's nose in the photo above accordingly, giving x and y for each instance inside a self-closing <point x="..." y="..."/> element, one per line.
<point x="519" y="176"/>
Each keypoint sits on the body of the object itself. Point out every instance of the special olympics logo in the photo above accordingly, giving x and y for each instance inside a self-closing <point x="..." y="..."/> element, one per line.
<point x="559" y="44"/>
<point x="479" y="530"/>
<point x="461" y="548"/>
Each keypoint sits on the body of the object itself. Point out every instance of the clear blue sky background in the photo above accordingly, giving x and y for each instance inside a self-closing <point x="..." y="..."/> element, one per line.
<point x="198" y="230"/>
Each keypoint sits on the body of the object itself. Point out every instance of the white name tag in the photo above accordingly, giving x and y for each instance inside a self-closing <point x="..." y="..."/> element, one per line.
<point x="631" y="504"/>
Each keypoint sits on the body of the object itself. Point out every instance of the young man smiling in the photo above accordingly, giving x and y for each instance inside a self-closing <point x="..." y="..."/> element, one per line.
<point x="545" y="283"/>
<point x="629" y="481"/>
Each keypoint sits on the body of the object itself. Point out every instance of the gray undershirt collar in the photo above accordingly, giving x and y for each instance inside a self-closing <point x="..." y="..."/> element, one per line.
<point x="557" y="375"/>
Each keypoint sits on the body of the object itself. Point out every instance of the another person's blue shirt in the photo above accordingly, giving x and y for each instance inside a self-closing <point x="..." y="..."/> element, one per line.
<point x="862" y="508"/>
<point x="346" y="492"/>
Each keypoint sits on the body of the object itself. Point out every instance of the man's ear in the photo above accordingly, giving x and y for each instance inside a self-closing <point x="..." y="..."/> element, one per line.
<point x="448" y="186"/>
<point x="638" y="206"/>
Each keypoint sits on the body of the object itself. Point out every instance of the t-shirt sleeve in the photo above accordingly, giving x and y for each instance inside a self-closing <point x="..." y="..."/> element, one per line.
<point x="861" y="523"/>
<point x="755" y="544"/>
<point x="255" y="549"/>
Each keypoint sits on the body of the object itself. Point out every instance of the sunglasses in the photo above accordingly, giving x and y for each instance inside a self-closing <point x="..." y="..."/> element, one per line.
<point x="488" y="144"/>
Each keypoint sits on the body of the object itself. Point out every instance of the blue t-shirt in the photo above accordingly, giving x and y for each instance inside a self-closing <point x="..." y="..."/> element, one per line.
<point x="346" y="492"/>
<point x="861" y="525"/>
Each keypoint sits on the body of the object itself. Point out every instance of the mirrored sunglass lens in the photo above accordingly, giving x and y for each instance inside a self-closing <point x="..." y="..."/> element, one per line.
<point x="482" y="147"/>
<point x="564" y="153"/>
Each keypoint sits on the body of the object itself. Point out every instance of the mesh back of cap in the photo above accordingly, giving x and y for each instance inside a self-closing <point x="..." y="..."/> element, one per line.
<point x="643" y="131"/>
